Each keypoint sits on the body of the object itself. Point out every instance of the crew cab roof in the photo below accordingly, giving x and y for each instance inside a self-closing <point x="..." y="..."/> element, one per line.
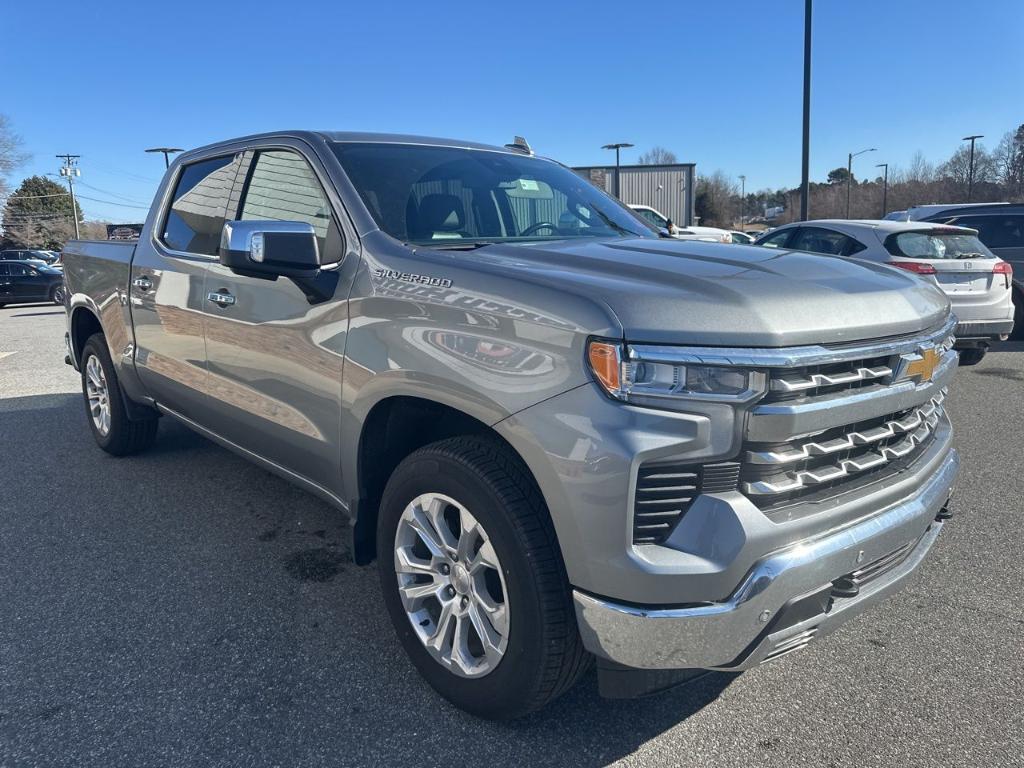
<point x="357" y="136"/>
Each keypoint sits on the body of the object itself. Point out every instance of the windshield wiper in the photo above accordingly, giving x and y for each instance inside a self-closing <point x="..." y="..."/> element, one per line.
<point x="970" y="255"/>
<point x="617" y="227"/>
<point x="452" y="245"/>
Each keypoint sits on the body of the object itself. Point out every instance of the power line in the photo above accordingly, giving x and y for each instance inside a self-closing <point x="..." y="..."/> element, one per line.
<point x="111" y="202"/>
<point x="112" y="194"/>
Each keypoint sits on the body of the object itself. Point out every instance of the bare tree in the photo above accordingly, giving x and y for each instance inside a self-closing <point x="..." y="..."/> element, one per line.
<point x="11" y="154"/>
<point x="658" y="156"/>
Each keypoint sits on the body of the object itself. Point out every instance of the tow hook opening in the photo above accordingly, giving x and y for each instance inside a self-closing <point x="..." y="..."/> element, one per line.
<point x="945" y="513"/>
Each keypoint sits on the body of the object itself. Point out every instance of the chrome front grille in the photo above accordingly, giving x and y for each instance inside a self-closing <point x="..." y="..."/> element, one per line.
<point x="830" y="376"/>
<point x="838" y="453"/>
<point x="829" y="419"/>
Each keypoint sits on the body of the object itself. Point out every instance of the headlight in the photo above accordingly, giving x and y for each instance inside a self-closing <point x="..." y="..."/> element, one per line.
<point x="638" y="374"/>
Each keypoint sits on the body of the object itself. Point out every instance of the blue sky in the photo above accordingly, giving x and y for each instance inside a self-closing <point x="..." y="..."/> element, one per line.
<point x="716" y="82"/>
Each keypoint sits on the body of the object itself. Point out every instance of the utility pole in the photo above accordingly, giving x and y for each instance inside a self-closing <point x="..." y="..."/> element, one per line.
<point x="617" y="147"/>
<point x="849" y="175"/>
<point x="743" y="200"/>
<point x="970" y="171"/>
<point x="168" y="151"/>
<point x="70" y="171"/>
<point x="885" y="187"/>
<point x="805" y="184"/>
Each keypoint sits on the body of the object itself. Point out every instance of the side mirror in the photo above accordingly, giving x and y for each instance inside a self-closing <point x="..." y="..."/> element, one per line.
<point x="270" y="248"/>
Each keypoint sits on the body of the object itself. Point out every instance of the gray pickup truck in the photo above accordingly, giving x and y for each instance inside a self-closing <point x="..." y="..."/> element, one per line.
<point x="561" y="436"/>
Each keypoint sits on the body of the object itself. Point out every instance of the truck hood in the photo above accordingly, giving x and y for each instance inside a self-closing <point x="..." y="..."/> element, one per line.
<point x="689" y="292"/>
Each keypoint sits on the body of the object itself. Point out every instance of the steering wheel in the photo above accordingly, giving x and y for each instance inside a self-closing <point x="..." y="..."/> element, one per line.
<point x="539" y="225"/>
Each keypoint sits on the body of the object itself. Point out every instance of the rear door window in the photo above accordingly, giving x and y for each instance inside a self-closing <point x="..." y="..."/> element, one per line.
<point x="820" y="240"/>
<point x="198" y="207"/>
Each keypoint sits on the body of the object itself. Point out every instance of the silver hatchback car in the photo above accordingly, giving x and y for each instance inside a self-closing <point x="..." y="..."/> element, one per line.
<point x="977" y="282"/>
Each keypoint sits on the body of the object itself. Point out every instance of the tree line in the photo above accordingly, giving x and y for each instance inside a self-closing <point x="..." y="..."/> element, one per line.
<point x="998" y="177"/>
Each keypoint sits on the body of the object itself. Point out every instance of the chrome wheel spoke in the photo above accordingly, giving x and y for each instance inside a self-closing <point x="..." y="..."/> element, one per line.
<point x="440" y="640"/>
<point x="428" y="535"/>
<point x="408" y="563"/>
<point x="489" y="636"/>
<point x="485" y="558"/>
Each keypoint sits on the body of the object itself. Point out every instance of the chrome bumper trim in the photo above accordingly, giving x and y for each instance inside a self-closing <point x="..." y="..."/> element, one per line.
<point x="716" y="635"/>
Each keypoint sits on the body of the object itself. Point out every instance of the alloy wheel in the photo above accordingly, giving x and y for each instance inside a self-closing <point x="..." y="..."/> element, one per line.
<point x="451" y="585"/>
<point x="98" y="395"/>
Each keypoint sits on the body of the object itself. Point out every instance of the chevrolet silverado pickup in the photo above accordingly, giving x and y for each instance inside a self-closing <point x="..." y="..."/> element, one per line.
<point x="561" y="437"/>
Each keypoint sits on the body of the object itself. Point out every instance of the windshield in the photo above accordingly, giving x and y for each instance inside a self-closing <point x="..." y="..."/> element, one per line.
<point x="452" y="197"/>
<point x="938" y="245"/>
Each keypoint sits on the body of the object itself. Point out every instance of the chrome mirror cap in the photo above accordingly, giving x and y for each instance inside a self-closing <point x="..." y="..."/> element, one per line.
<point x="249" y="237"/>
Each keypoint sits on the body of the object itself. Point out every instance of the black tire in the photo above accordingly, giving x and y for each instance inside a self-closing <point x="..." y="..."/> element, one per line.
<point x="972" y="356"/>
<point x="125" y="435"/>
<point x="57" y="295"/>
<point x="545" y="655"/>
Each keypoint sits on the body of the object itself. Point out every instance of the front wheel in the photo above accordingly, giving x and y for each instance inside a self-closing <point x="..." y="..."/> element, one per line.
<point x="474" y="581"/>
<point x="115" y="432"/>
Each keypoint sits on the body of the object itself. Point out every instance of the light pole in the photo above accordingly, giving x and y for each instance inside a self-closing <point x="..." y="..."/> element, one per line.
<point x="168" y="151"/>
<point x="805" y="184"/>
<point x="849" y="175"/>
<point x="621" y="145"/>
<point x="885" y="186"/>
<point x="743" y="199"/>
<point x="970" y="167"/>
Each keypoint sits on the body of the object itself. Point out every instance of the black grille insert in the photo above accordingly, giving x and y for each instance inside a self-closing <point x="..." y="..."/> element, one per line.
<point x="665" y="491"/>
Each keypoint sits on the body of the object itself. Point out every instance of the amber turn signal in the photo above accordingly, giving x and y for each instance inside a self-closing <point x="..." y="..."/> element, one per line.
<point x="606" y="362"/>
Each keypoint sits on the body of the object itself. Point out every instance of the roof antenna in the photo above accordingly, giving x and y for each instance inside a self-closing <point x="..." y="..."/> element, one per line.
<point x="519" y="144"/>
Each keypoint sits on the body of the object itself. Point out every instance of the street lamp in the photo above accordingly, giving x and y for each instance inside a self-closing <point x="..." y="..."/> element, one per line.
<point x="885" y="186"/>
<point x="743" y="200"/>
<point x="970" y="171"/>
<point x="621" y="145"/>
<point x="168" y="151"/>
<point x="849" y="175"/>
<point x="805" y="169"/>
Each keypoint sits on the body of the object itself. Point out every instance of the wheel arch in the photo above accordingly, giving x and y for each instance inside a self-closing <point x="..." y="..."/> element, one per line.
<point x="393" y="428"/>
<point x="84" y="323"/>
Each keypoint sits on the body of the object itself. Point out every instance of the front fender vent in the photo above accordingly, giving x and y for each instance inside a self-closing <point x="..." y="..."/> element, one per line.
<point x="665" y="491"/>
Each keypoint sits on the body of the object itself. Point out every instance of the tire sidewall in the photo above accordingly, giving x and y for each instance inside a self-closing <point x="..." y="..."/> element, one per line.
<point x="515" y="678"/>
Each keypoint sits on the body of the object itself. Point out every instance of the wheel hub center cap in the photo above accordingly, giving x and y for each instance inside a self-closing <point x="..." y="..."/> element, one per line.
<point x="460" y="579"/>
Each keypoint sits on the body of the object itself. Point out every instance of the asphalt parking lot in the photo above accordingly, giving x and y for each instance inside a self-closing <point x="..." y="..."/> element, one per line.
<point x="186" y="608"/>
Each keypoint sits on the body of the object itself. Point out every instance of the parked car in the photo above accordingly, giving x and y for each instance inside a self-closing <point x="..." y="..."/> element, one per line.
<point x="30" y="281"/>
<point x="977" y="282"/>
<point x="46" y="257"/>
<point x="1000" y="227"/>
<point x="560" y="435"/>
<point x="660" y="223"/>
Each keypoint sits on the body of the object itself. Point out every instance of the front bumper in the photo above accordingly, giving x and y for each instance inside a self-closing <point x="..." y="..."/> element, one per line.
<point x="785" y="600"/>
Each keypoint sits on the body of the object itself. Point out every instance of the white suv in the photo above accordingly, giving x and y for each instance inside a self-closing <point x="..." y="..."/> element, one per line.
<point x="976" y="281"/>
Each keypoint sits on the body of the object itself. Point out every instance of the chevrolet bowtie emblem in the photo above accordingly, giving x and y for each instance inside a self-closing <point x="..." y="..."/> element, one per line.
<point x="920" y="366"/>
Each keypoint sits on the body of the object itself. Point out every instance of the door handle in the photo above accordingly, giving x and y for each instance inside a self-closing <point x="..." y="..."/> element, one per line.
<point x="142" y="283"/>
<point x="221" y="298"/>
